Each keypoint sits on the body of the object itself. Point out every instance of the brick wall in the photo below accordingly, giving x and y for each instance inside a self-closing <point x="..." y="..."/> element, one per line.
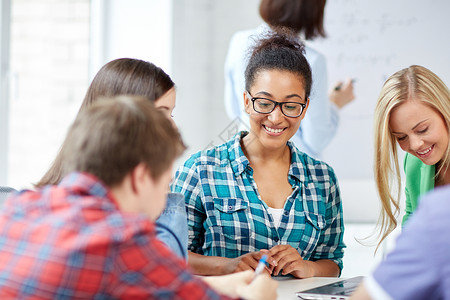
<point x="49" y="64"/>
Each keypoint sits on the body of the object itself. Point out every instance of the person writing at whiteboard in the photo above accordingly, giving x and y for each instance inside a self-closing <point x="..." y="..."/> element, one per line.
<point x="258" y="193"/>
<point x="305" y="18"/>
<point x="413" y="110"/>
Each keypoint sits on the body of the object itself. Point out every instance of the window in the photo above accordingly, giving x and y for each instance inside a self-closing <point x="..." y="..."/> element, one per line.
<point x="49" y="76"/>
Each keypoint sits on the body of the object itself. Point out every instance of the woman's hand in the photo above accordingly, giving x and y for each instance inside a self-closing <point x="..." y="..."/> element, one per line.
<point x="289" y="261"/>
<point x="342" y="93"/>
<point x="248" y="261"/>
<point x="215" y="265"/>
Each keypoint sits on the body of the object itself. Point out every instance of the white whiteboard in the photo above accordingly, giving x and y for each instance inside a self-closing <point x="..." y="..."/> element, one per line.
<point x="369" y="41"/>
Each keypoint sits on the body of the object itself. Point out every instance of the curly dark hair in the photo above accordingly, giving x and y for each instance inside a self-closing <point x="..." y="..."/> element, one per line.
<point x="279" y="49"/>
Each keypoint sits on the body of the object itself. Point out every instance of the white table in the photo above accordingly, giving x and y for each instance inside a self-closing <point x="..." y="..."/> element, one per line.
<point x="287" y="287"/>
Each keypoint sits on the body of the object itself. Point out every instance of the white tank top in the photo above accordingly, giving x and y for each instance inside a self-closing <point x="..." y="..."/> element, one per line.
<point x="276" y="213"/>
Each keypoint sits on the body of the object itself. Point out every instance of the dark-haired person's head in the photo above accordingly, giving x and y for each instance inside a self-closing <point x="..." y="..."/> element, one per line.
<point x="123" y="76"/>
<point x="278" y="83"/>
<point x="114" y="138"/>
<point x="301" y="16"/>
<point x="128" y="76"/>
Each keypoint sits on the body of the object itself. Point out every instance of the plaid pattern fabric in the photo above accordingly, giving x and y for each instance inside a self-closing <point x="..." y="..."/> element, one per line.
<point x="5" y="192"/>
<point x="71" y="241"/>
<point x="226" y="216"/>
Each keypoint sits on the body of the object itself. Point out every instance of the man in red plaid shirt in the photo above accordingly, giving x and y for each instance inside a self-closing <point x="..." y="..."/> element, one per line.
<point x="92" y="236"/>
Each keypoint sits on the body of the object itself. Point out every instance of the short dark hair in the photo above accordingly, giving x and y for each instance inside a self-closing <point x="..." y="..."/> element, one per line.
<point x="279" y="50"/>
<point x="112" y="136"/>
<point x="301" y="16"/>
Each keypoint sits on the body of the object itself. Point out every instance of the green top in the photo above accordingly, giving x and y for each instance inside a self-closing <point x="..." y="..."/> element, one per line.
<point x="419" y="180"/>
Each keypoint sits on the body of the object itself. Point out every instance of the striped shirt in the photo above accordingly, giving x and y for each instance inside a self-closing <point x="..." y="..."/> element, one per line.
<point x="227" y="218"/>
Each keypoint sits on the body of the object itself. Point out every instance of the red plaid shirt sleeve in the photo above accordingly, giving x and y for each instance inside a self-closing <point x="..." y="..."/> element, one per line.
<point x="144" y="266"/>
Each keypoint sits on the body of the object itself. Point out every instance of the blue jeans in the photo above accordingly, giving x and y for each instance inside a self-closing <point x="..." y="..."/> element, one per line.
<point x="171" y="226"/>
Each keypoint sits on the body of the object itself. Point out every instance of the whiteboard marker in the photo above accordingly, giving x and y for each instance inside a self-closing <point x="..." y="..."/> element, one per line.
<point x="338" y="87"/>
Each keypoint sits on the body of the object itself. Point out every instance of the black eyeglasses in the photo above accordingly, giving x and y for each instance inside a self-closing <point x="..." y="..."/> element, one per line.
<point x="266" y="106"/>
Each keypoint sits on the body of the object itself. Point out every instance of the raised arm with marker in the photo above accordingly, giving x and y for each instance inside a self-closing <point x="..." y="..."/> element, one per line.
<point x="342" y="93"/>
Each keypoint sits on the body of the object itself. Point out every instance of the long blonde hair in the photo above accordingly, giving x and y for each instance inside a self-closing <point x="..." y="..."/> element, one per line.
<point x="414" y="83"/>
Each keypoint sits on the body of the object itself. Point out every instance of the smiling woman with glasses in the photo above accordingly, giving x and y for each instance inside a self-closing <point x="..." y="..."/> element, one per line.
<point x="257" y="193"/>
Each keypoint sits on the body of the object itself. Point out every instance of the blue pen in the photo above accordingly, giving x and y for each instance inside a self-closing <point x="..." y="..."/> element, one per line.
<point x="261" y="265"/>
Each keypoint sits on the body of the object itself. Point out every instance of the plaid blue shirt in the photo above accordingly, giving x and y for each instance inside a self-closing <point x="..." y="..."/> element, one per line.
<point x="226" y="216"/>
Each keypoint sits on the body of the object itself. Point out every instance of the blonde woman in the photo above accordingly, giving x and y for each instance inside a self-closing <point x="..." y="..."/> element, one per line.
<point x="413" y="110"/>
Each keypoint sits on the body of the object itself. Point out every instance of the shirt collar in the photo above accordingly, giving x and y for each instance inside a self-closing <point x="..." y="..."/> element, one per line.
<point x="88" y="184"/>
<point x="298" y="163"/>
<point x="84" y="182"/>
<point x="239" y="162"/>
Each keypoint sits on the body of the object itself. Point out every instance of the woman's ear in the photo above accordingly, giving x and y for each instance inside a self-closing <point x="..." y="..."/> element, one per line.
<point x="247" y="104"/>
<point x="305" y="109"/>
<point x="307" y="105"/>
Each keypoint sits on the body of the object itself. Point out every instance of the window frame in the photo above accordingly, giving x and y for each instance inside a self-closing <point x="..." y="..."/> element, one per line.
<point x="5" y="62"/>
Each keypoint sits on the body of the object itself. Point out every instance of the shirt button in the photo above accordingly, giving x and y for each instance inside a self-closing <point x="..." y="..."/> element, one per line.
<point x="230" y="207"/>
<point x="286" y="213"/>
<point x="276" y="239"/>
